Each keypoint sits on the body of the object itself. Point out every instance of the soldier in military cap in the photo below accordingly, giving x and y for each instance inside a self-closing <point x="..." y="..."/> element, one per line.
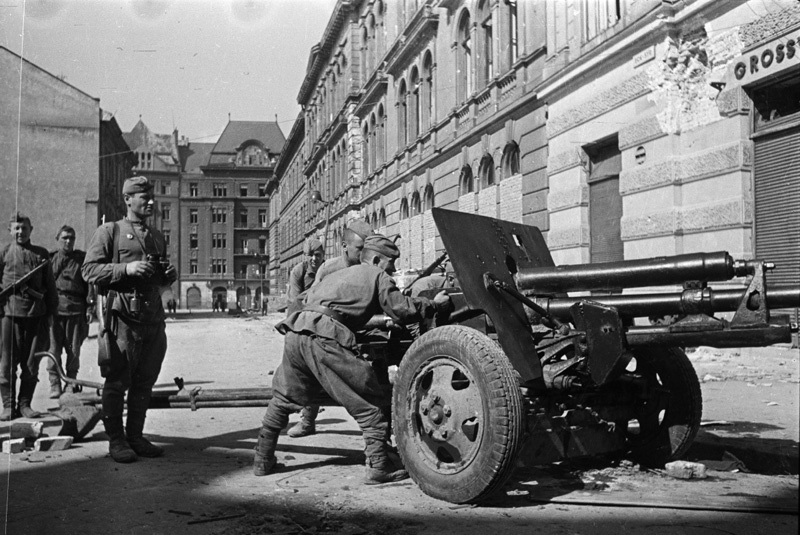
<point x="126" y="262"/>
<point x="353" y="242"/>
<point x="25" y="314"/>
<point x="320" y="353"/>
<point x="303" y="274"/>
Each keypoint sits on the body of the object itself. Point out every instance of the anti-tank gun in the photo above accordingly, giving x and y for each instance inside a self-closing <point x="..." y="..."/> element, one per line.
<point x="539" y="363"/>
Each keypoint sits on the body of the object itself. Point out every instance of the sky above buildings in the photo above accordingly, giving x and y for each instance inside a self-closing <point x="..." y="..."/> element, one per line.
<point x="177" y="63"/>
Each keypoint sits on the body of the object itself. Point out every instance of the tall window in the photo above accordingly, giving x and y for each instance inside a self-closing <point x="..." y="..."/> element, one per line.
<point x="166" y="235"/>
<point x="426" y="93"/>
<point x="365" y="145"/>
<point x="219" y="241"/>
<point x="193" y="266"/>
<point x="466" y="182"/>
<point x="242" y="190"/>
<point x="404" y="209"/>
<point x="219" y="215"/>
<point x="193" y="215"/>
<point x="262" y="218"/>
<point x="262" y="190"/>
<point x="486" y="171"/>
<point x="242" y="219"/>
<point x="486" y="70"/>
<point x="464" y="59"/>
<point x="600" y="15"/>
<point x="513" y="30"/>
<point x="416" y="206"/>
<point x="192" y="189"/>
<point x="192" y="241"/>
<point x="413" y="106"/>
<point x="220" y="190"/>
<point x="428" y="199"/>
<point x="166" y="211"/>
<point x="373" y="145"/>
<point x="219" y="266"/>
<point x="381" y="136"/>
<point x="166" y="188"/>
<point x="510" y="162"/>
<point x="402" y="116"/>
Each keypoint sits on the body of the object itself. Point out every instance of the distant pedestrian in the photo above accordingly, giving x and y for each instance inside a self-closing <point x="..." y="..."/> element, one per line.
<point x="25" y="316"/>
<point x="71" y="321"/>
<point x="264" y="306"/>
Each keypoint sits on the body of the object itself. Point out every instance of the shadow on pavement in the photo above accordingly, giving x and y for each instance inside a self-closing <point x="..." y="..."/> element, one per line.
<point x="759" y="455"/>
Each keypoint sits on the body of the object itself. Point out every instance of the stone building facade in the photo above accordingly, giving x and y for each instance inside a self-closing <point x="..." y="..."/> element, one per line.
<point x="62" y="159"/>
<point x="409" y="105"/>
<point x="671" y="130"/>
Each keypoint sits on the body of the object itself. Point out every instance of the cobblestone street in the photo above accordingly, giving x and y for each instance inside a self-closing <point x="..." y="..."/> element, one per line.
<point x="204" y="483"/>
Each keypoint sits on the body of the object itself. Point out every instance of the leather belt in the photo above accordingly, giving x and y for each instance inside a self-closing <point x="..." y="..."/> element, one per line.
<point x="325" y="311"/>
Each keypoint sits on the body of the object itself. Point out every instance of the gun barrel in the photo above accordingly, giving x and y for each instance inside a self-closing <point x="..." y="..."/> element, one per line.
<point x="704" y="300"/>
<point x="661" y="271"/>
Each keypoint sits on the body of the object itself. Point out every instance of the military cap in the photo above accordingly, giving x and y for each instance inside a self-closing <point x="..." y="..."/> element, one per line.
<point x="360" y="227"/>
<point x="19" y="217"/>
<point x="137" y="184"/>
<point x="382" y="245"/>
<point x="311" y="246"/>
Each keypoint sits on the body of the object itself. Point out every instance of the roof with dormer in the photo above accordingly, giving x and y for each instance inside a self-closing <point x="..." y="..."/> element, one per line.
<point x="239" y="133"/>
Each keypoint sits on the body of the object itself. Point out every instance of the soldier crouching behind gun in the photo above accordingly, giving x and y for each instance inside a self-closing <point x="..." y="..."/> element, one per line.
<point x="124" y="260"/>
<point x="320" y="353"/>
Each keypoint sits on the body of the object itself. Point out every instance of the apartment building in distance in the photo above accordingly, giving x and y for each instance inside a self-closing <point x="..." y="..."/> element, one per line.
<point x="623" y="129"/>
<point x="224" y="207"/>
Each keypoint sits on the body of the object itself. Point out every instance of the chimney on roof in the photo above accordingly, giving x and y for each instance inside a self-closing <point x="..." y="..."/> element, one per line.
<point x="229" y="116"/>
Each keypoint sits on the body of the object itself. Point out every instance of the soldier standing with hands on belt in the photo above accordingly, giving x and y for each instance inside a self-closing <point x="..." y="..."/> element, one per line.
<point x="25" y="315"/>
<point x="125" y="261"/>
<point x="320" y="353"/>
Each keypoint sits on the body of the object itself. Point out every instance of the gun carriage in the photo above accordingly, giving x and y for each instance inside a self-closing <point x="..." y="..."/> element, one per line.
<point x="538" y="363"/>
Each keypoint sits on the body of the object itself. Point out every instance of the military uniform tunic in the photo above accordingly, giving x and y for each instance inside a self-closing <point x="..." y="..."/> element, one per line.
<point x="320" y="352"/>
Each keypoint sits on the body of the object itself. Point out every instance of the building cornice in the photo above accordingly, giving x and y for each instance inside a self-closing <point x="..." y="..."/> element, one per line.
<point x="413" y="40"/>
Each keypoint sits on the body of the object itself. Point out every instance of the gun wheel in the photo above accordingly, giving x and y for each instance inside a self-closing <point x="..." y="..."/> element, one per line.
<point x="458" y="414"/>
<point x="669" y="418"/>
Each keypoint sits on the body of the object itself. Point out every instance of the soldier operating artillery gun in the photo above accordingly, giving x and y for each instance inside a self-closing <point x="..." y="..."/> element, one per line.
<point x="531" y="368"/>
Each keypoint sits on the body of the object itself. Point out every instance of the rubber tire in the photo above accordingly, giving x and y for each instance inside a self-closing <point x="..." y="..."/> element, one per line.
<point x="671" y="437"/>
<point x="497" y="441"/>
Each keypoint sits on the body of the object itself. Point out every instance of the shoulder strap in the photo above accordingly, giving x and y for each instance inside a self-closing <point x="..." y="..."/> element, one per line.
<point x="115" y="239"/>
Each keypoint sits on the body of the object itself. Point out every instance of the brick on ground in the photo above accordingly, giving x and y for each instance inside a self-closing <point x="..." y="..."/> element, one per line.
<point x="58" y="443"/>
<point x="14" y="445"/>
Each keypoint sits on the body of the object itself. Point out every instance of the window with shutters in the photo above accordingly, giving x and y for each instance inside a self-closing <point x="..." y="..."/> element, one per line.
<point x="605" y="202"/>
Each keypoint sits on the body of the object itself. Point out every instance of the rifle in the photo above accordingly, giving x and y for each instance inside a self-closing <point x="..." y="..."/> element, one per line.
<point x="426" y="272"/>
<point x="21" y="284"/>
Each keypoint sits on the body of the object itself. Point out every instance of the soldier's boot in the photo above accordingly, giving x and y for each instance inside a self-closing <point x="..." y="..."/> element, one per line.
<point x="118" y="447"/>
<point x="8" y="403"/>
<point x="134" y="427"/>
<point x="55" y="386"/>
<point x="380" y="469"/>
<point x="264" y="460"/>
<point x="24" y="409"/>
<point x="307" y="424"/>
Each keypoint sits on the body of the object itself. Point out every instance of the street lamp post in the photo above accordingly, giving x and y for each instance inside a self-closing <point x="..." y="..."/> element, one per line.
<point x="316" y="196"/>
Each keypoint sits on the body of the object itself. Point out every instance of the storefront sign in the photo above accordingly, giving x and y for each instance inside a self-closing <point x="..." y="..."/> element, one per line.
<point x="766" y="60"/>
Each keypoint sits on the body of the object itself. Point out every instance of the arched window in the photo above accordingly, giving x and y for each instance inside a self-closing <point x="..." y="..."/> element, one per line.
<point x="371" y="48"/>
<point x="486" y="171"/>
<point x="513" y="33"/>
<point x="381" y="28"/>
<point x="426" y="93"/>
<point x="464" y="58"/>
<point x="365" y="159"/>
<point x="374" y="223"/>
<point x="364" y="52"/>
<point x="486" y="44"/>
<point x="404" y="209"/>
<point x="413" y="106"/>
<point x="428" y="200"/>
<point x="381" y="137"/>
<point x="373" y="145"/>
<point x="466" y="183"/>
<point x="510" y="162"/>
<point x="402" y="116"/>
<point x="382" y="218"/>
<point x="416" y="207"/>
